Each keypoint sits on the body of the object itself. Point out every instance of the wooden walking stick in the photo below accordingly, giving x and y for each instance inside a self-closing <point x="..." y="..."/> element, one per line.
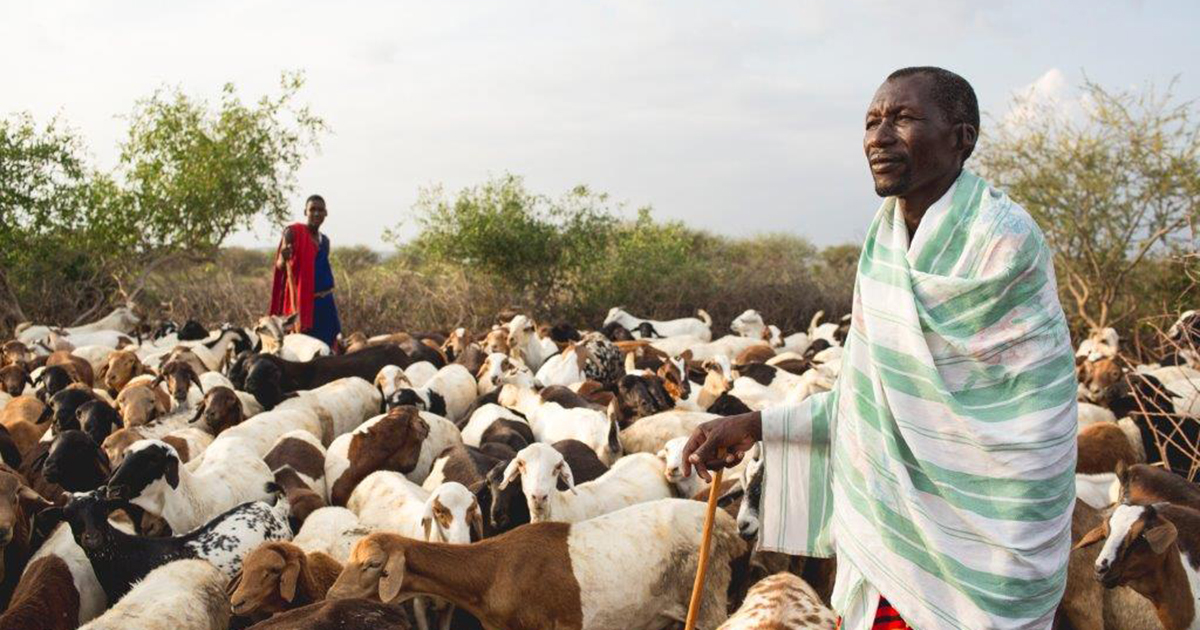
<point x="292" y="290"/>
<point x="714" y="493"/>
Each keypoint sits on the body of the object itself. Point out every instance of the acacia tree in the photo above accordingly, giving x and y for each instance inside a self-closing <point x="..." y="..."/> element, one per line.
<point x="1111" y="188"/>
<point x="190" y="174"/>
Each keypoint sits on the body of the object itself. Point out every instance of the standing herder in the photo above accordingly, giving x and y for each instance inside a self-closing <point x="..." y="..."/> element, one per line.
<point x="940" y="468"/>
<point x="304" y="278"/>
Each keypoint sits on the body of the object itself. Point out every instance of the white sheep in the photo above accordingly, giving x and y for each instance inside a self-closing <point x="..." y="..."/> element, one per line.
<point x="180" y="595"/>
<point x="636" y="478"/>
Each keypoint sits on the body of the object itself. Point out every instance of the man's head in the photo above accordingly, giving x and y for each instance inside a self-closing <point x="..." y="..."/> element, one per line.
<point x="920" y="127"/>
<point x="314" y="211"/>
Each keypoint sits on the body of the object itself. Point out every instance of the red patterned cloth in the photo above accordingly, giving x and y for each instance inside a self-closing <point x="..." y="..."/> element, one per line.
<point x="886" y="618"/>
<point x="304" y="254"/>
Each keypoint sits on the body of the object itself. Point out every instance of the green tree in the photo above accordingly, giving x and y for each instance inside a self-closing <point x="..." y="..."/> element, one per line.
<point x="1111" y="189"/>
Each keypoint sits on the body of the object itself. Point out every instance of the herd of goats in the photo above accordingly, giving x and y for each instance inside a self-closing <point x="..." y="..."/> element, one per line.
<point x="526" y="477"/>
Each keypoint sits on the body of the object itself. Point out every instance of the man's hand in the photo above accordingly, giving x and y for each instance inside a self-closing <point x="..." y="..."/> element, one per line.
<point x="285" y="251"/>
<point x="733" y="435"/>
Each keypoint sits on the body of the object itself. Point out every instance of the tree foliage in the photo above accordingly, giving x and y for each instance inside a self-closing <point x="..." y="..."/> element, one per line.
<point x="190" y="174"/>
<point x="1111" y="189"/>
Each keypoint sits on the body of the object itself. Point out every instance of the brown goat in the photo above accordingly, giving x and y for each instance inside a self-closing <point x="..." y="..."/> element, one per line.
<point x="78" y="367"/>
<point x="1102" y="446"/>
<point x="121" y="367"/>
<point x="1143" y="485"/>
<point x="18" y="505"/>
<point x="392" y="443"/>
<point x="45" y="598"/>
<point x="301" y="498"/>
<point x="339" y="614"/>
<point x="13" y="379"/>
<point x="16" y="353"/>
<point x="140" y="404"/>
<point x="279" y="576"/>
<point x="754" y="354"/>
<point x="221" y="409"/>
<point x="26" y="418"/>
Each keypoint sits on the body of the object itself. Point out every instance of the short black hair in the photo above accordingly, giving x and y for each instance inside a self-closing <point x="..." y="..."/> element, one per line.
<point x="953" y="94"/>
<point x="312" y="198"/>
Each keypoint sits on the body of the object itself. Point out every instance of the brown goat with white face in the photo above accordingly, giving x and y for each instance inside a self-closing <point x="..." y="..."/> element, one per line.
<point x="121" y="367"/>
<point x="392" y="443"/>
<point x="279" y="576"/>
<point x="1155" y="550"/>
<point x="221" y="409"/>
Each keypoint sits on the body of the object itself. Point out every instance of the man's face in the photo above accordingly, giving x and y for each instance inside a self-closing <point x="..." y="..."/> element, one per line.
<point x="909" y="142"/>
<point x="315" y="211"/>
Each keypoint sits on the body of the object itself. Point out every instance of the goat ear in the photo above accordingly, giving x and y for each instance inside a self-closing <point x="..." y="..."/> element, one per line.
<point x="47" y="520"/>
<point x="476" y="522"/>
<point x="102" y="373"/>
<point x="233" y="585"/>
<point x="427" y="518"/>
<point x="510" y="472"/>
<point x="173" y="472"/>
<point x="199" y="411"/>
<point x="565" y="475"/>
<point x="29" y="495"/>
<point x="392" y="577"/>
<point x="1161" y="536"/>
<point x="289" y="579"/>
<point x="1092" y="537"/>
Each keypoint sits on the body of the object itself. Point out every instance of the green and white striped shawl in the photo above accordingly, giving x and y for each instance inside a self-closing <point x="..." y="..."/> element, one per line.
<point x="941" y="465"/>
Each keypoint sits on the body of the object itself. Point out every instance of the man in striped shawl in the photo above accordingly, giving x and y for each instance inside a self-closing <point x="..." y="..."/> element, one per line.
<point x="940" y="468"/>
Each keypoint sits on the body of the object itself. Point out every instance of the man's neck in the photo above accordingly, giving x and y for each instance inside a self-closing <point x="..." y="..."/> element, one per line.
<point x="916" y="203"/>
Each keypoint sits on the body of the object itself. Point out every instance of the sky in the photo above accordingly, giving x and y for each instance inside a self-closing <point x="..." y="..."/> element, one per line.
<point x="740" y="118"/>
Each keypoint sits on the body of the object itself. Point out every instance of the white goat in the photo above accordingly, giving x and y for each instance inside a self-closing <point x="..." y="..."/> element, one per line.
<point x="449" y="393"/>
<point x="700" y="327"/>
<point x="483" y="418"/>
<point x="525" y="344"/>
<point x="179" y="595"/>
<point x="331" y="530"/>
<point x="272" y="331"/>
<point x="344" y="404"/>
<point x="637" y="478"/>
<point x="651" y="434"/>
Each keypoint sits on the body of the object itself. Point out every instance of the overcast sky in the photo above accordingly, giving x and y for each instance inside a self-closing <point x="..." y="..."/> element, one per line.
<point x="737" y="117"/>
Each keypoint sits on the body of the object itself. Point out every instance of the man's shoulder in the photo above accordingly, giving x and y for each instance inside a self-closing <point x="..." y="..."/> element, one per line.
<point x="1005" y="217"/>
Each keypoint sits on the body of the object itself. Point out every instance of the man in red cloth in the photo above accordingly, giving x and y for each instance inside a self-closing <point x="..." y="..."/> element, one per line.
<point x="303" y="284"/>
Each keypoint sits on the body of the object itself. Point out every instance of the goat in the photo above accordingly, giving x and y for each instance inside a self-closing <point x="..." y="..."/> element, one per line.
<point x="268" y="377"/>
<point x="153" y="478"/>
<point x="651" y="434"/>
<point x="330" y="530"/>
<point x="339" y="614"/>
<point x="179" y="595"/>
<point x="782" y="600"/>
<point x="565" y="577"/>
<point x="279" y="576"/>
<point x="448" y="394"/>
<point x="121" y="559"/>
<point x="524" y="343"/>
<point x="633" y="479"/>
<point x="699" y="327"/>
<point x="119" y="369"/>
<point x="394" y="441"/>
<point x="303" y="499"/>
<point x="57" y="591"/>
<point x="14" y="379"/>
<point x="1154" y="550"/>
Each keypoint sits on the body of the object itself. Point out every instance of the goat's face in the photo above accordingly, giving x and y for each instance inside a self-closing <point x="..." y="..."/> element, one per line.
<point x="451" y="514"/>
<point x="122" y="366"/>
<point x="540" y="467"/>
<point x="521" y="330"/>
<point x="1135" y="539"/>
<point x="496" y="341"/>
<point x="1098" y="380"/>
<point x="13" y="379"/>
<point x="264" y="381"/>
<point x="75" y="462"/>
<point x="390" y="379"/>
<point x="98" y="419"/>
<point x="220" y="410"/>
<point x="392" y="443"/>
<point x="671" y="455"/>
<point x="138" y="405"/>
<point x="12" y="492"/>
<point x="267" y="582"/>
<point x="180" y="377"/>
<point x="752" y="481"/>
<point x="375" y="570"/>
<point x="53" y="380"/>
<point x="149" y="471"/>
<point x="15" y="353"/>
<point x="674" y="375"/>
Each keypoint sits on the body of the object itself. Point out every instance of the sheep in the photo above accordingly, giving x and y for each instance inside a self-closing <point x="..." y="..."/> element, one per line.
<point x="121" y="559"/>
<point x="347" y="402"/>
<point x="153" y="478"/>
<point x="390" y="379"/>
<point x="58" y="590"/>
<point x="699" y="327"/>
<point x="268" y="377"/>
<point x="782" y="600"/>
<point x="394" y="441"/>
<point x="728" y="346"/>
<point x="448" y="394"/>
<point x="259" y="434"/>
<point x="26" y="419"/>
<point x="173" y="424"/>
<point x="751" y="480"/>
<point x="1143" y="549"/>
<point x="98" y="419"/>
<point x="1101" y="448"/>
<point x="632" y="479"/>
<point x="524" y="343"/>
<point x="565" y="576"/>
<point x="304" y="453"/>
<point x="1090" y="414"/>
<point x="651" y="434"/>
<point x="671" y="456"/>
<point x="639" y="396"/>
<point x="339" y="614"/>
<point x="464" y="464"/>
<point x="279" y="576"/>
<point x="179" y="377"/>
<point x="1097" y="490"/>
<point x="330" y="530"/>
<point x="179" y="595"/>
<point x="65" y="406"/>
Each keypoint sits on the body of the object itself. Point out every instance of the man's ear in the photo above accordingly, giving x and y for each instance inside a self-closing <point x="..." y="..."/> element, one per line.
<point x="967" y="136"/>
